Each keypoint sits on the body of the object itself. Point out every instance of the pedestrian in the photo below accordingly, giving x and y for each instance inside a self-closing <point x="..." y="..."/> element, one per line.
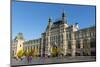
<point x="30" y="59"/>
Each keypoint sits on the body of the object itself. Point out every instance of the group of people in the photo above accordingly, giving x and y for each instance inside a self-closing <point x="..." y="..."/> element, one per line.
<point x="28" y="59"/>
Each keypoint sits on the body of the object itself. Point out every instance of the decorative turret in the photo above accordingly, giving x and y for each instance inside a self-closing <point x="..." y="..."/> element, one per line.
<point x="19" y="37"/>
<point x="49" y="19"/>
<point x="76" y="25"/>
<point x="63" y="17"/>
<point x="49" y="22"/>
<point x="19" y="42"/>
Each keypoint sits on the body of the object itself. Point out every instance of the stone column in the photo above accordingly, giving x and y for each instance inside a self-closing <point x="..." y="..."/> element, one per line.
<point x="65" y="45"/>
<point x="41" y="47"/>
<point x="73" y="44"/>
<point x="73" y="47"/>
<point x="89" y="48"/>
<point x="81" y="47"/>
<point x="38" y="50"/>
<point x="49" y="48"/>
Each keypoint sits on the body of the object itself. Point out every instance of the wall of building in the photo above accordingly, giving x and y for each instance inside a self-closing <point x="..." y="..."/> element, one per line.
<point x="70" y="40"/>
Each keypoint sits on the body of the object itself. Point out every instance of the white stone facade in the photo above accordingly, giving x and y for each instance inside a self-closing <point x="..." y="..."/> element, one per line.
<point x="71" y="40"/>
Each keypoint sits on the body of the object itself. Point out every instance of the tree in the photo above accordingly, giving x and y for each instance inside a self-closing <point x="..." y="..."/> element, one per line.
<point x="20" y="53"/>
<point x="36" y="52"/>
<point x="54" y="51"/>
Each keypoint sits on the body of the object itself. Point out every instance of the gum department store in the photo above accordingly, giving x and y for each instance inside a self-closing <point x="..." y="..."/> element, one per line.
<point x="70" y="40"/>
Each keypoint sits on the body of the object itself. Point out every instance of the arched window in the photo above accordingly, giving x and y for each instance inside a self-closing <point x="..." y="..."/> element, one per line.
<point x="77" y="44"/>
<point x="93" y="43"/>
<point x="84" y="43"/>
<point x="69" y="45"/>
<point x="20" y="45"/>
<point x="13" y="52"/>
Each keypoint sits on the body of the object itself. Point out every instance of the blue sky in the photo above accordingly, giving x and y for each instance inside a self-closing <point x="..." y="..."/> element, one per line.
<point x="32" y="18"/>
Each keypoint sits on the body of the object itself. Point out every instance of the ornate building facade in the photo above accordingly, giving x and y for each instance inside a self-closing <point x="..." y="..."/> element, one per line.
<point x="17" y="44"/>
<point x="68" y="40"/>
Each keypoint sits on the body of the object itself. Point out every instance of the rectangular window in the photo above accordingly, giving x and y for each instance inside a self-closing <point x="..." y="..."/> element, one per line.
<point x="69" y="45"/>
<point x="77" y="44"/>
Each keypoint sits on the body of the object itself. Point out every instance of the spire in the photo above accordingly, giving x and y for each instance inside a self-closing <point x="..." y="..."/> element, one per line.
<point x="63" y="17"/>
<point x="49" y="23"/>
<point x="63" y="14"/>
<point x="49" y="20"/>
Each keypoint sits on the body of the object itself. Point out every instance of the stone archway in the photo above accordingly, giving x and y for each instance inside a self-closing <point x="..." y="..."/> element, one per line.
<point x="86" y="47"/>
<point x="54" y="50"/>
<point x="93" y="47"/>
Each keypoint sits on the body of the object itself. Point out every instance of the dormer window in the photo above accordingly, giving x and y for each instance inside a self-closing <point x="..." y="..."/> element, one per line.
<point x="20" y="45"/>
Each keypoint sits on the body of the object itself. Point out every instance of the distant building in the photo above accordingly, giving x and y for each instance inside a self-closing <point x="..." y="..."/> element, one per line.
<point x="33" y="45"/>
<point x="17" y="44"/>
<point x="70" y="40"/>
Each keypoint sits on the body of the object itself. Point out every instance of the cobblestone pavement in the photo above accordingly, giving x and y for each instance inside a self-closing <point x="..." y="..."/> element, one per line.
<point x="43" y="60"/>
